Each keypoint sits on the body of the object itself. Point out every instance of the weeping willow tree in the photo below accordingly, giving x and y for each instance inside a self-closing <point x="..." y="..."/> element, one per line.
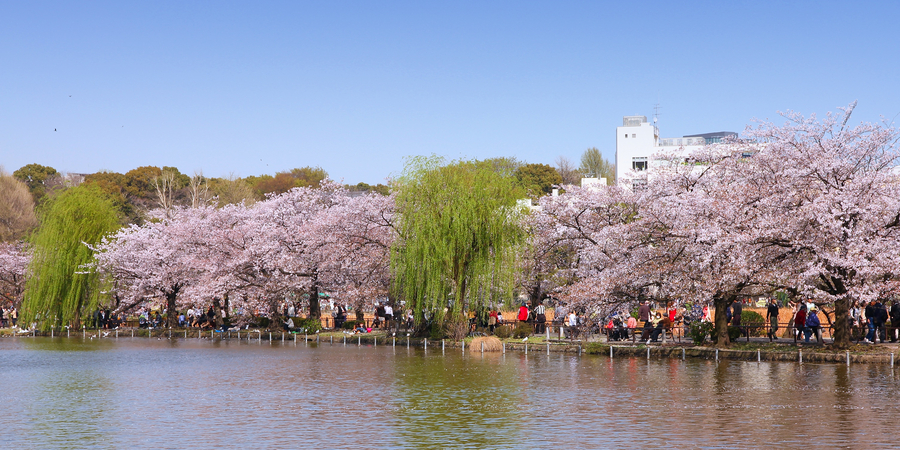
<point x="459" y="235"/>
<point x="60" y="289"/>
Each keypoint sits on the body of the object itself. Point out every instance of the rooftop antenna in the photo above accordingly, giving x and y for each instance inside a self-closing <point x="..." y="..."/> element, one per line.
<point x="656" y="109"/>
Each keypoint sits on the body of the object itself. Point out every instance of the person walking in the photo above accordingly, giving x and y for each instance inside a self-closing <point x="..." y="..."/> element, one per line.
<point x="813" y="326"/>
<point x="736" y="309"/>
<point x="879" y="321"/>
<point x="772" y="318"/>
<point x="870" y="323"/>
<point x="800" y="321"/>
<point x="388" y="316"/>
<point x="644" y="316"/>
<point x="540" y="318"/>
<point x="895" y="319"/>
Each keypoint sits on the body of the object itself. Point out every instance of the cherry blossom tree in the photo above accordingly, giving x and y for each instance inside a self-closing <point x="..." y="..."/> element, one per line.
<point x="811" y="206"/>
<point x="151" y="262"/>
<point x="13" y="264"/>
<point x="834" y="201"/>
<point x="253" y="257"/>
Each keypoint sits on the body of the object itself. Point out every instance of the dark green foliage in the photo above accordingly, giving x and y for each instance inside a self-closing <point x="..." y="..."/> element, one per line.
<point x="502" y="332"/>
<point x="308" y="325"/>
<point x="753" y="322"/>
<point x="39" y="179"/>
<point x="522" y="330"/>
<point x="62" y="288"/>
<point x="436" y="332"/>
<point x="538" y="179"/>
<point x="349" y="325"/>
<point x="699" y="331"/>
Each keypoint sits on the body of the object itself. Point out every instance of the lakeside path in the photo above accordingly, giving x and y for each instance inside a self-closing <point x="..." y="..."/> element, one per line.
<point x="757" y="349"/>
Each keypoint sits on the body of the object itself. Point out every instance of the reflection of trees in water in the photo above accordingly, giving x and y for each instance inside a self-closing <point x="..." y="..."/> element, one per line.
<point x="68" y="409"/>
<point x="458" y="401"/>
<point x="844" y="415"/>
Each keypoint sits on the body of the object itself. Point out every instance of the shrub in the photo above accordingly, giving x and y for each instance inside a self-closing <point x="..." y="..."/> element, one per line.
<point x="456" y="330"/>
<point x="349" y="325"/>
<point x="754" y="322"/>
<point x="435" y="332"/>
<point x="734" y="333"/>
<point x="699" y="331"/>
<point x="503" y="332"/>
<point x="522" y="330"/>
<point x="308" y="325"/>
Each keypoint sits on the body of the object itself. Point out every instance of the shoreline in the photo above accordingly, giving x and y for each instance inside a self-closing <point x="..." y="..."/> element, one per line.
<point x="769" y="352"/>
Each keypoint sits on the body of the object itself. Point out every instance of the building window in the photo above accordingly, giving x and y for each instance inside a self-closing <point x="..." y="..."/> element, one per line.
<point x="634" y="135"/>
<point x="626" y="135"/>
<point x="639" y="163"/>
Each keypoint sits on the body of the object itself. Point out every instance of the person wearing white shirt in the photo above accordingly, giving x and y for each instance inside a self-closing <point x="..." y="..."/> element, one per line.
<point x="388" y="316"/>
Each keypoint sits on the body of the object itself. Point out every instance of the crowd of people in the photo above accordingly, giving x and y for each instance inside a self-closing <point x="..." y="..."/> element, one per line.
<point x="871" y="322"/>
<point x="873" y="318"/>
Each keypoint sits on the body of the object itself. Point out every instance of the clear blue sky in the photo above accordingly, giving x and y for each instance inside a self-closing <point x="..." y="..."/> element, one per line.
<point x="353" y="87"/>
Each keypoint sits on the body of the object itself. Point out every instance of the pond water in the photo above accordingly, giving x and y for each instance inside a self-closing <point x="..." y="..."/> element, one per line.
<point x="159" y="393"/>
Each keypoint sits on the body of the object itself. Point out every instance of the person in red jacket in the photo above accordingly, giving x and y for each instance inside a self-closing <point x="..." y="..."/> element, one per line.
<point x="523" y="314"/>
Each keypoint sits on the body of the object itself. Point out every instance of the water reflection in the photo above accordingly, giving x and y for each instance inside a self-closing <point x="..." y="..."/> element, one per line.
<point x="72" y="393"/>
<point x="468" y="401"/>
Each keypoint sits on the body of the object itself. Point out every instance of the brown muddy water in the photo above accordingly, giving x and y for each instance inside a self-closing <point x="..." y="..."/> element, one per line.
<point x="199" y="393"/>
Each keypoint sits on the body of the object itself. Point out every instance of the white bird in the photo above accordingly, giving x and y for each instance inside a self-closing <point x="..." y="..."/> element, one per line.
<point x="105" y="333"/>
<point x="526" y="338"/>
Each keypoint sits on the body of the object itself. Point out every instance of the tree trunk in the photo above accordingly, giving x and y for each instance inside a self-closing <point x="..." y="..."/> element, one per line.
<point x="314" y="311"/>
<point x="721" y="323"/>
<point x="842" y="322"/>
<point x="217" y="308"/>
<point x="535" y="295"/>
<point x="171" y="313"/>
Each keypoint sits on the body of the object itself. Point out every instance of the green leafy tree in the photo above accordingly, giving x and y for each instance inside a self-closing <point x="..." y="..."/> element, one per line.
<point x="504" y="165"/>
<point x="593" y="164"/>
<point x="60" y="289"/>
<point x="459" y="236"/>
<point x="538" y="179"/>
<point x="309" y="176"/>
<point x="39" y="179"/>
<point x="232" y="190"/>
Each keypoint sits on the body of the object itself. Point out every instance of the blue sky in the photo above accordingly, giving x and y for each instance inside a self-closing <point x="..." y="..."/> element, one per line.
<point x="258" y="87"/>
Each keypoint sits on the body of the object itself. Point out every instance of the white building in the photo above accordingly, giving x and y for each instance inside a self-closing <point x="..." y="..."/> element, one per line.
<point x="637" y="141"/>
